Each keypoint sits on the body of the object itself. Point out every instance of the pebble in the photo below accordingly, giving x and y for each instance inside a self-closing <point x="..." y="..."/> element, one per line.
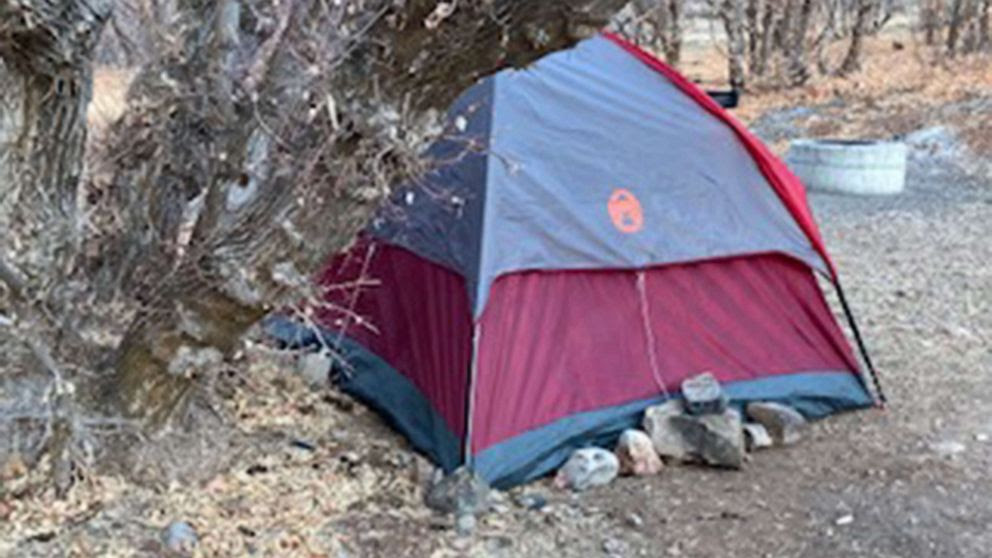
<point x="586" y="468"/>
<point x="462" y="493"/>
<point x="845" y="520"/>
<point x="314" y="368"/>
<point x="465" y="524"/>
<point x="614" y="547"/>
<point x="532" y="501"/>
<point x="756" y="436"/>
<point x="180" y="537"/>
<point x="947" y="448"/>
<point x="635" y="520"/>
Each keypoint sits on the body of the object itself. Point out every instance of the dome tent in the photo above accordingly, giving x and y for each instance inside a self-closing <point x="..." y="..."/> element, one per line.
<point x="596" y="230"/>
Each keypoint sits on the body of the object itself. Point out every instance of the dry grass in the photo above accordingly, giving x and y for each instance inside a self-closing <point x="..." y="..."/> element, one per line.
<point x="274" y="499"/>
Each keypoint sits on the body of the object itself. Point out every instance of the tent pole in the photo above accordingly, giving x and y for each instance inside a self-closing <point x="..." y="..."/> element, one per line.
<point x="470" y="397"/>
<point x="882" y="400"/>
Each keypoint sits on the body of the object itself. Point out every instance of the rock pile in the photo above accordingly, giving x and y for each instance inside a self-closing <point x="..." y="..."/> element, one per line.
<point x="701" y="427"/>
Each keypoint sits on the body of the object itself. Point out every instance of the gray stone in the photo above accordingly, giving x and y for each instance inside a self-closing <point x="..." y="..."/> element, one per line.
<point x="462" y="492"/>
<point x="635" y="520"/>
<point x="464" y="524"/>
<point x="314" y="368"/>
<point x="667" y="440"/>
<point x="948" y="448"/>
<point x="703" y="395"/>
<point x="637" y="455"/>
<point x="783" y="423"/>
<point x="532" y="500"/>
<point x="180" y="538"/>
<point x="587" y="468"/>
<point x="715" y="439"/>
<point x="756" y="436"/>
<point x="614" y="547"/>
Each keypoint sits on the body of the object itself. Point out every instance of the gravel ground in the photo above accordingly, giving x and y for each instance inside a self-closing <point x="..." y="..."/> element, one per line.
<point x="912" y="480"/>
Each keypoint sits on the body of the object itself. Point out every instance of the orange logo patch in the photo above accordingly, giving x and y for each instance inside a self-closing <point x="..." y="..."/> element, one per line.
<point x="625" y="211"/>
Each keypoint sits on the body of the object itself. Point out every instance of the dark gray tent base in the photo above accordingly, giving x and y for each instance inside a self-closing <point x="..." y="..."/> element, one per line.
<point x="374" y="382"/>
<point x="537" y="452"/>
<point x="540" y="451"/>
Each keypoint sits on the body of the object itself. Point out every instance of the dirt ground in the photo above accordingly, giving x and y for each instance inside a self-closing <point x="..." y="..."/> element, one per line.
<point x="309" y="473"/>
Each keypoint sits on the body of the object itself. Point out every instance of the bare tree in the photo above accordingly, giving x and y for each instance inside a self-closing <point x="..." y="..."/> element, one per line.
<point x="732" y="15"/>
<point x="966" y="23"/>
<point x="984" y="33"/>
<point x="656" y="24"/>
<point x="862" y="25"/>
<point x="957" y="19"/>
<point x="931" y="12"/>
<point x="782" y="42"/>
<point x="259" y="137"/>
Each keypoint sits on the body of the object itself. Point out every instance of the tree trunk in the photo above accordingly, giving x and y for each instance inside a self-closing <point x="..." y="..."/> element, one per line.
<point x="930" y="14"/>
<point x="797" y="59"/>
<point x="765" y="41"/>
<point x="672" y="33"/>
<point x="46" y="49"/>
<point x="984" y="33"/>
<point x="732" y="15"/>
<point x="852" y="61"/>
<point x="955" y="25"/>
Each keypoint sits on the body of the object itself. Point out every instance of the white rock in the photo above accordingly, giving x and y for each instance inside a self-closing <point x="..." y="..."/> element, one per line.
<point x="756" y="436"/>
<point x="664" y="436"/>
<point x="636" y="454"/>
<point x="845" y="520"/>
<point x="586" y="468"/>
<point x="783" y="423"/>
<point x="314" y="368"/>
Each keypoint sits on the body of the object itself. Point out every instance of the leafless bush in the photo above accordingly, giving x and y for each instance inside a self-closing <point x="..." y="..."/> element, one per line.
<point x="781" y="42"/>
<point x="955" y="27"/>
<point x="654" y="24"/>
<point x="258" y="137"/>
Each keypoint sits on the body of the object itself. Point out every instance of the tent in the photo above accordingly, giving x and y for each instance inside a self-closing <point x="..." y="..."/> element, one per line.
<point x="595" y="230"/>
